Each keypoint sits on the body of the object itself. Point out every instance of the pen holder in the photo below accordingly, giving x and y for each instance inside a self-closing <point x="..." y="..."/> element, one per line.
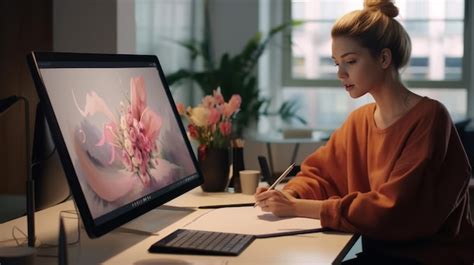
<point x="237" y="166"/>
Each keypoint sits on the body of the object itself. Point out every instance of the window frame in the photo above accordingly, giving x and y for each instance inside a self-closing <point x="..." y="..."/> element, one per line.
<point x="465" y="82"/>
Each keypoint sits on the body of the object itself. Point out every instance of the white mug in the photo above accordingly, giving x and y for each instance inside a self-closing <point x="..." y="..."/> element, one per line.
<point x="249" y="180"/>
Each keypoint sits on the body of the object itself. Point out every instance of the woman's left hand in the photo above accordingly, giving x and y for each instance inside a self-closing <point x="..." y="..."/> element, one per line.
<point x="280" y="203"/>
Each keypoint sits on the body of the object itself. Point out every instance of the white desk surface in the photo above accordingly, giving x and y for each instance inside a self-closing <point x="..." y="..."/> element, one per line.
<point x="119" y="247"/>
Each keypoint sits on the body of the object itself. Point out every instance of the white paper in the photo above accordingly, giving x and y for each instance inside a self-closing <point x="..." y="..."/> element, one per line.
<point x="197" y="197"/>
<point x="249" y="220"/>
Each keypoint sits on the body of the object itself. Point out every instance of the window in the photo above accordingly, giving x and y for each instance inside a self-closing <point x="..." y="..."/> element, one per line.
<point x="437" y="67"/>
<point x="158" y="33"/>
<point x="160" y="25"/>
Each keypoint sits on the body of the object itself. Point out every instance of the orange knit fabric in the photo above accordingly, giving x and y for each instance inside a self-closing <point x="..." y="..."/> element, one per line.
<point x="406" y="185"/>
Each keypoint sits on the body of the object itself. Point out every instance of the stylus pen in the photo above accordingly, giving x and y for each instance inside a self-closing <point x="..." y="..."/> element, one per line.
<point x="294" y="232"/>
<point x="225" y="205"/>
<point x="280" y="178"/>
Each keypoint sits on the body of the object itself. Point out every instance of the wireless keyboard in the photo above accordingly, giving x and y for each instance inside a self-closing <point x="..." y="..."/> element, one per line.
<point x="185" y="241"/>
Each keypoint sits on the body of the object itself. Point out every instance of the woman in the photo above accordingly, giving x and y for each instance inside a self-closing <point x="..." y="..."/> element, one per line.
<point x="396" y="171"/>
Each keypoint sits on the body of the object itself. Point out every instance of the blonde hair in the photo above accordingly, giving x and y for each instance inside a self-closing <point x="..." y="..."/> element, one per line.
<point x="375" y="28"/>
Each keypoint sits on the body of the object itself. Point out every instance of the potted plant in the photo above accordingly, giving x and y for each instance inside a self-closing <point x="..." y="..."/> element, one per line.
<point x="236" y="75"/>
<point x="210" y="125"/>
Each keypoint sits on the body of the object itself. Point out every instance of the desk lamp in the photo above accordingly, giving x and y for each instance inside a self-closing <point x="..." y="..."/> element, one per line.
<point x="5" y="104"/>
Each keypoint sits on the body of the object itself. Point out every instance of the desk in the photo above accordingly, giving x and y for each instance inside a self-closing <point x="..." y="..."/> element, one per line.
<point x="118" y="247"/>
<point x="277" y="138"/>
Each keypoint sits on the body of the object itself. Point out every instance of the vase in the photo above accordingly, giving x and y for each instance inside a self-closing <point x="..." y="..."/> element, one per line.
<point x="214" y="166"/>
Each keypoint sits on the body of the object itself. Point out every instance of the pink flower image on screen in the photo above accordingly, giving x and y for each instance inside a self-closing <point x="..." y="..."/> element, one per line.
<point x="129" y="137"/>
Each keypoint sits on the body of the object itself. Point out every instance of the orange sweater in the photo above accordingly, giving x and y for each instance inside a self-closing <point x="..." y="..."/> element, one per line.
<point x="404" y="187"/>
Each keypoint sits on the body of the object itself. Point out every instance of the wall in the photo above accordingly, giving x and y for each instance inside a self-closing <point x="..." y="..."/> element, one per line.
<point x="232" y="24"/>
<point x="78" y="26"/>
<point x="126" y="37"/>
<point x="25" y="25"/>
<point x="85" y="26"/>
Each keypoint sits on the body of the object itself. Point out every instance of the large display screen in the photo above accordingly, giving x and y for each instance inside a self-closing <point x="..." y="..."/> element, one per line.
<point x="118" y="133"/>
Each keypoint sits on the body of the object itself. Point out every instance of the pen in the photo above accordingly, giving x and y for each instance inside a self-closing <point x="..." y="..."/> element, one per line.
<point x="225" y="205"/>
<point x="280" y="178"/>
<point x="293" y="232"/>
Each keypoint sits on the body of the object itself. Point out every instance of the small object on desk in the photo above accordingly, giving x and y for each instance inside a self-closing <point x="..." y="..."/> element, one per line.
<point x="249" y="180"/>
<point x="237" y="164"/>
<point x="217" y="206"/>
<point x="196" y="242"/>
<point x="280" y="178"/>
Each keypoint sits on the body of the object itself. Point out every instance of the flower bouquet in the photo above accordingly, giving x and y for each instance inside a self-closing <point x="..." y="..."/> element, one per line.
<point x="210" y="123"/>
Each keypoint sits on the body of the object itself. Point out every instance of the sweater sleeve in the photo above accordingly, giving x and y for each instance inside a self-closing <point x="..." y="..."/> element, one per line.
<point x="322" y="174"/>
<point x="421" y="192"/>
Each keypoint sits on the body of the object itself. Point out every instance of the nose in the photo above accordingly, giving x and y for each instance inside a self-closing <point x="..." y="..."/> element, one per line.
<point x="341" y="73"/>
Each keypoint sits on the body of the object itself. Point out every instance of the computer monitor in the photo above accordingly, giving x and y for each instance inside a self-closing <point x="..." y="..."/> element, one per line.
<point x="120" y="138"/>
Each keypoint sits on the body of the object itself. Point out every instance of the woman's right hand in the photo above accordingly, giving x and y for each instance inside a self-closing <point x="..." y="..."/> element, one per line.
<point x="260" y="190"/>
<point x="280" y="203"/>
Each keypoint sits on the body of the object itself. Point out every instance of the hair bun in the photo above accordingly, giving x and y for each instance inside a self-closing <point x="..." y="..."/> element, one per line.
<point x="385" y="6"/>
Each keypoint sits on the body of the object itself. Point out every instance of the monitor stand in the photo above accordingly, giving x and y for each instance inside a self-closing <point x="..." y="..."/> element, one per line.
<point x="155" y="220"/>
<point x="150" y="222"/>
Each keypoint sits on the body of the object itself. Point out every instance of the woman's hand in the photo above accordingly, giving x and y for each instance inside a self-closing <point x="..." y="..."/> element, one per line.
<point x="284" y="204"/>
<point x="280" y="203"/>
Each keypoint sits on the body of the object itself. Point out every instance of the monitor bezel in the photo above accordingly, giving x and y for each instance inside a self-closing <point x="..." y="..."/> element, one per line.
<point x="96" y="230"/>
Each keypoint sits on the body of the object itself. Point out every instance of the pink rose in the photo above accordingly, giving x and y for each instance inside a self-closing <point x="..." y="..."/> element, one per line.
<point x="214" y="116"/>
<point x="227" y="110"/>
<point x="235" y="101"/>
<point x="225" y="128"/>
<point x="218" y="96"/>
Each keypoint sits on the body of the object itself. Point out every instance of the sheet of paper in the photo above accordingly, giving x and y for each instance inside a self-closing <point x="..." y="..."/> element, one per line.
<point x="197" y="197"/>
<point x="249" y="220"/>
